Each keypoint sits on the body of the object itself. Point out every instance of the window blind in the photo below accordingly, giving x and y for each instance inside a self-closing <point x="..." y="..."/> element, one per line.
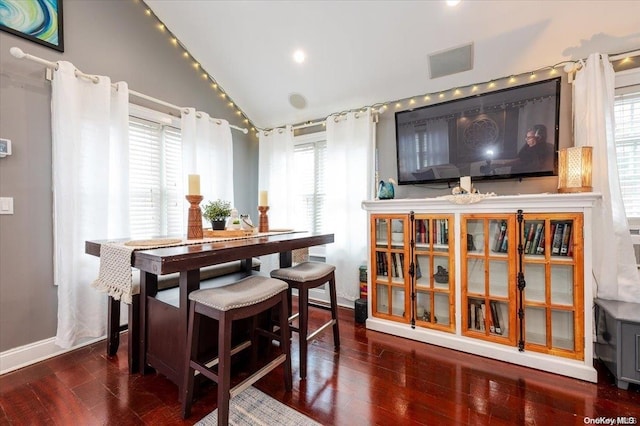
<point x="627" y="136"/>
<point x="309" y="187"/>
<point x="155" y="168"/>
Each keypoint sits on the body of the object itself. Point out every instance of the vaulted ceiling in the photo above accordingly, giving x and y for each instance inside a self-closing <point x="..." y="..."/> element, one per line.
<point x="361" y="53"/>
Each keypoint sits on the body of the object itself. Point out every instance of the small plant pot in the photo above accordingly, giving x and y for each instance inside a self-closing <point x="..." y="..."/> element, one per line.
<point x="217" y="225"/>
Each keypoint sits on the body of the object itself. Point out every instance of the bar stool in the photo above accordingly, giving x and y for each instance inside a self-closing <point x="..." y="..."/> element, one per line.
<point x="243" y="299"/>
<point x="305" y="276"/>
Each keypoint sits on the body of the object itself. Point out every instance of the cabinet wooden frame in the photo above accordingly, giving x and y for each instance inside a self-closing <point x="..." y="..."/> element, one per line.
<point x="437" y="253"/>
<point x="384" y="252"/>
<point x="551" y="302"/>
<point x="576" y="294"/>
<point x="485" y="254"/>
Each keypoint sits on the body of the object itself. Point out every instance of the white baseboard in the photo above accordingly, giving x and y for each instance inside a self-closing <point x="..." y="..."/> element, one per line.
<point x="23" y="356"/>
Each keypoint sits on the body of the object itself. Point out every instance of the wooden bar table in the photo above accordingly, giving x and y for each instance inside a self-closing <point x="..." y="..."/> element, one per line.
<point x="163" y="323"/>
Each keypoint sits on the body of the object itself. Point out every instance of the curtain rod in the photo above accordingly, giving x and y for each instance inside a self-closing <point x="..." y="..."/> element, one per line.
<point x="18" y="53"/>
<point x="624" y="55"/>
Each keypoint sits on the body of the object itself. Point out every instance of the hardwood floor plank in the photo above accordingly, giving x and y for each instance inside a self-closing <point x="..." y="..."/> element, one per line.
<point x="374" y="379"/>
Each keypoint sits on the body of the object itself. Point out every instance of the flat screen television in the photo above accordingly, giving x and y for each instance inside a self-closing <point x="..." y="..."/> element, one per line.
<point x="506" y="134"/>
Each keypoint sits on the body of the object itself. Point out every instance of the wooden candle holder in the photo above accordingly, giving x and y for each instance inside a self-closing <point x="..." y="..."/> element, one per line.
<point x="194" y="224"/>
<point x="263" y="224"/>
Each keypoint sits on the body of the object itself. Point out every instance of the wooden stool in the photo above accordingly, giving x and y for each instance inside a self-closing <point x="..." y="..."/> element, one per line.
<point x="243" y="299"/>
<point x="304" y="276"/>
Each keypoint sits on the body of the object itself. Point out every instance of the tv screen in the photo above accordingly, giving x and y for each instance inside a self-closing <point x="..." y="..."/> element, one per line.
<point x="506" y="134"/>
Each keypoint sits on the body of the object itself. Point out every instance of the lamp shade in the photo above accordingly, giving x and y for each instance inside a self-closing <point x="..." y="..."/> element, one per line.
<point x="574" y="169"/>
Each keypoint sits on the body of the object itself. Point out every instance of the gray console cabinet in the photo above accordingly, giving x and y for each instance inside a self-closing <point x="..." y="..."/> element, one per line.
<point x="618" y="339"/>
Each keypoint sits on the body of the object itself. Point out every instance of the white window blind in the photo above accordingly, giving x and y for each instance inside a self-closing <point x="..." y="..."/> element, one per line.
<point x="155" y="168"/>
<point x="627" y="135"/>
<point x="309" y="186"/>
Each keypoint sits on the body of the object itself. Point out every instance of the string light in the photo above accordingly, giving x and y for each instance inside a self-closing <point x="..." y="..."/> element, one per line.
<point x="197" y="66"/>
<point x="491" y="84"/>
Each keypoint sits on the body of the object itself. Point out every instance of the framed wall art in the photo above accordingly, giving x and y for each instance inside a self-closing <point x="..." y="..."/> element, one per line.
<point x="36" y="20"/>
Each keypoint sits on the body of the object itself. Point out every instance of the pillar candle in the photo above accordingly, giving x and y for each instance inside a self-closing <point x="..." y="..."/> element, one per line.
<point x="194" y="185"/>
<point x="264" y="199"/>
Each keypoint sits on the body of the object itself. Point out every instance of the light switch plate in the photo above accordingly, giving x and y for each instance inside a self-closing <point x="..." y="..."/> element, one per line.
<point x="6" y="205"/>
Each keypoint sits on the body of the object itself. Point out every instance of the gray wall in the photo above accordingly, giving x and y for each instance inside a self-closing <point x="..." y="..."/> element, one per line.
<point x="108" y="37"/>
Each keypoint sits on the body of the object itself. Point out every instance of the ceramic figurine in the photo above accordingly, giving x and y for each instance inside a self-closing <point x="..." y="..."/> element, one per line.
<point x="385" y="190"/>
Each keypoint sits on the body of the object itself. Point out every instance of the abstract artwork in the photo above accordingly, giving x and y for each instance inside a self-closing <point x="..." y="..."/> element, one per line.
<point x="35" y="20"/>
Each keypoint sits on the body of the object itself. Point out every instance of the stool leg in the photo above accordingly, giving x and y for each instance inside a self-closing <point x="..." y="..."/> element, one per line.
<point x="334" y="310"/>
<point x="253" y="336"/>
<point x="303" y="298"/>
<point x="224" y="365"/>
<point x="285" y="343"/>
<point x="186" y="394"/>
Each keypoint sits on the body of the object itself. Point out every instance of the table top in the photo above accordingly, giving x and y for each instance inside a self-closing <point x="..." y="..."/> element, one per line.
<point x="167" y="260"/>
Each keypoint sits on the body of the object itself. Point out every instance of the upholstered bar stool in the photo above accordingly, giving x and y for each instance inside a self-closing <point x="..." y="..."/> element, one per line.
<point x="243" y="299"/>
<point x="305" y="276"/>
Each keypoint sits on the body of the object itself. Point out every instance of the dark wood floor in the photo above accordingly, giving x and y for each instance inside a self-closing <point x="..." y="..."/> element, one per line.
<point x="374" y="379"/>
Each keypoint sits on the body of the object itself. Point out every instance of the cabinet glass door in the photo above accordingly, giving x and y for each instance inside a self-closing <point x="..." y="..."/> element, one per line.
<point x="390" y="267"/>
<point x="488" y="271"/>
<point x="553" y="307"/>
<point x="434" y="269"/>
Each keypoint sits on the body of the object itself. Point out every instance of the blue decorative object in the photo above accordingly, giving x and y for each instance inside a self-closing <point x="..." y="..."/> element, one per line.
<point x="385" y="190"/>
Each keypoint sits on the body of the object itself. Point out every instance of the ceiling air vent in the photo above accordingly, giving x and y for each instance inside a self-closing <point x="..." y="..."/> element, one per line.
<point x="451" y="61"/>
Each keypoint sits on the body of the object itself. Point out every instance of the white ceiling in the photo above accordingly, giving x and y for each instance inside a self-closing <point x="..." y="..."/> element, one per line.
<point x="365" y="52"/>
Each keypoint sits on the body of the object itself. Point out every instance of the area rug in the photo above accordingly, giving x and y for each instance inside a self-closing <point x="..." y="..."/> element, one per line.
<point x="253" y="407"/>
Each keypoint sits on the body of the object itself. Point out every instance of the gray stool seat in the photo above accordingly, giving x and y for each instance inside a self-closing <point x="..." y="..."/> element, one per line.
<point x="248" y="291"/>
<point x="305" y="276"/>
<point x="246" y="298"/>
<point x="306" y="271"/>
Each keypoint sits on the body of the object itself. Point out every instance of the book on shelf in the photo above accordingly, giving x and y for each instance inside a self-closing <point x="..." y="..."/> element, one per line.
<point x="399" y="259"/>
<point x="536" y="238"/>
<point x="504" y="247"/>
<point x="557" y="238"/>
<point x="570" y="248"/>
<point x="540" y="248"/>
<point x="501" y="232"/>
<point x="382" y="263"/>
<point x="495" y="317"/>
<point x="566" y="237"/>
<point x="476" y="315"/>
<point x="529" y="230"/>
<point x="394" y="262"/>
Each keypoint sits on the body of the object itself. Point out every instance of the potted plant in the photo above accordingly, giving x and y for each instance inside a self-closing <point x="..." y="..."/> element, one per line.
<point x="217" y="212"/>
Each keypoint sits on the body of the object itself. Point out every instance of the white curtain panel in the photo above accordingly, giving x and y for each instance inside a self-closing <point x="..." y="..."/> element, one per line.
<point x="350" y="150"/>
<point x="207" y="150"/>
<point x="90" y="192"/>
<point x="614" y="266"/>
<point x="275" y="174"/>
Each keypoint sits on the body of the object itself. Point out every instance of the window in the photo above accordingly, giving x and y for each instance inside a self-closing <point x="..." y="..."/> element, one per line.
<point x="309" y="186"/>
<point x="155" y="170"/>
<point x="627" y="135"/>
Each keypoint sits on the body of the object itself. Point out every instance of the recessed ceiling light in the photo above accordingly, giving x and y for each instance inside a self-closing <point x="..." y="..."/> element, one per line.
<point x="452" y="2"/>
<point x="299" y="56"/>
